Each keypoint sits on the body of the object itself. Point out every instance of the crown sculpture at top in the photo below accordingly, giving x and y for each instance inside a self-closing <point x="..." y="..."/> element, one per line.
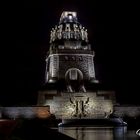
<point x="70" y="58"/>
<point x="69" y="29"/>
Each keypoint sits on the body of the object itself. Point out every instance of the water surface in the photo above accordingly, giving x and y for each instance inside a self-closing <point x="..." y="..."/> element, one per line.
<point x="100" y="133"/>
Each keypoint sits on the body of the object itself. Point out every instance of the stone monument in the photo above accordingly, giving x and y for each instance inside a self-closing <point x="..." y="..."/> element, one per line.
<point x="70" y="88"/>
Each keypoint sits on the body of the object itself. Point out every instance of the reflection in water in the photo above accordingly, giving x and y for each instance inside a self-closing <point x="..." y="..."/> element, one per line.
<point x="99" y="133"/>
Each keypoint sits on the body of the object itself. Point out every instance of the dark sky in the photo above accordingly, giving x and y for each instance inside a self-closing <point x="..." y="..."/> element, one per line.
<point x="112" y="27"/>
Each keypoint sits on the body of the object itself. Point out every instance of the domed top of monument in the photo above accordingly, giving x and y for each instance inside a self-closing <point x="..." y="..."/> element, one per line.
<point x="68" y="29"/>
<point x="68" y="16"/>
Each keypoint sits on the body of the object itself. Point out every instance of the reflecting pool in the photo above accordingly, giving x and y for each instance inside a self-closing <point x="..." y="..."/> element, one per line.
<point x="100" y="133"/>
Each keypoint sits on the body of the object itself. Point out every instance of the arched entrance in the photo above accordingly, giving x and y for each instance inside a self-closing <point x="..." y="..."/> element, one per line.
<point x="74" y="80"/>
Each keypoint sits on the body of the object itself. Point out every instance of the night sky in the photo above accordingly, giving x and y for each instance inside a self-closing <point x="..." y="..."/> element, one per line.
<point x="112" y="28"/>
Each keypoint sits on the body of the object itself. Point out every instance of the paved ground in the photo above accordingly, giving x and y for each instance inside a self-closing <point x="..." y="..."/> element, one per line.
<point x="35" y="130"/>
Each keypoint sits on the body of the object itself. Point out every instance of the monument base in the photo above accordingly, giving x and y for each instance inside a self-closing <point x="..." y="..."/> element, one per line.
<point x="89" y="105"/>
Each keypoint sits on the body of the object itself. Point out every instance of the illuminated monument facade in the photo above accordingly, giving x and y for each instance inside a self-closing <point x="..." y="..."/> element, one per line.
<point x="70" y="88"/>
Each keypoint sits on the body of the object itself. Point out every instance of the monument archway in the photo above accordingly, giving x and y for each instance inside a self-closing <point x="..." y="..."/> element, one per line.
<point x="74" y="80"/>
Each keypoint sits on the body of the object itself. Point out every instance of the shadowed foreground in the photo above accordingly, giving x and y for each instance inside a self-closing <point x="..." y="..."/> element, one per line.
<point x="35" y="129"/>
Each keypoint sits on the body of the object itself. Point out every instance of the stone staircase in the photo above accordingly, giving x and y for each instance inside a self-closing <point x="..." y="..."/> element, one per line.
<point x="62" y="107"/>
